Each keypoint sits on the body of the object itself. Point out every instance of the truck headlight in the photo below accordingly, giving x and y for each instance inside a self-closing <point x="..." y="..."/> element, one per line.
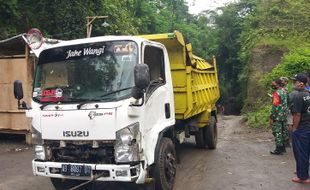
<point x="36" y="137"/>
<point x="39" y="152"/>
<point x="126" y="148"/>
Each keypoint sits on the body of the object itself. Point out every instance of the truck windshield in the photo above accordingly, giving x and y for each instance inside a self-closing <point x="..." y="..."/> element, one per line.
<point x="101" y="71"/>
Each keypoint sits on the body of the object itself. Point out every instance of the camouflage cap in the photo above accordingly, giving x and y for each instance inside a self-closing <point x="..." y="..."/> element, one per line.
<point x="284" y="79"/>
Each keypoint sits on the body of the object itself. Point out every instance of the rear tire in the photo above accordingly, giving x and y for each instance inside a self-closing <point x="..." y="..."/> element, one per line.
<point x="211" y="134"/>
<point x="200" y="138"/>
<point x="207" y="136"/>
<point x="64" y="184"/>
<point x="164" y="170"/>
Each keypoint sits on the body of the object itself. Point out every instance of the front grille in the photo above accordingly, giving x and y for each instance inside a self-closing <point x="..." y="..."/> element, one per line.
<point x="81" y="153"/>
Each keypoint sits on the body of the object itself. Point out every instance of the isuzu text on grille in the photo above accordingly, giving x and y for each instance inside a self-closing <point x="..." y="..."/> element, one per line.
<point x="75" y="133"/>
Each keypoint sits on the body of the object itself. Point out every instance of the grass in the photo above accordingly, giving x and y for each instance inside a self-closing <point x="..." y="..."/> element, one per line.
<point x="259" y="118"/>
<point x="290" y="44"/>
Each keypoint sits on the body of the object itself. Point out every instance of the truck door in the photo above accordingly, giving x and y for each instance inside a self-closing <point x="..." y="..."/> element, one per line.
<point x="159" y="105"/>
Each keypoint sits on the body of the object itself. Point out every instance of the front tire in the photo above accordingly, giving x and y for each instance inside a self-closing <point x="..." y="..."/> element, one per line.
<point x="164" y="170"/>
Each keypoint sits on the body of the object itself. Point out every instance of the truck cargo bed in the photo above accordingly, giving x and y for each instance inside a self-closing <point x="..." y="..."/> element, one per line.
<point x="195" y="81"/>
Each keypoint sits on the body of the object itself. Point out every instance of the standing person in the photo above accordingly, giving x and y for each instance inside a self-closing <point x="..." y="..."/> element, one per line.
<point x="286" y="135"/>
<point x="278" y="117"/>
<point x="291" y="97"/>
<point x="301" y="129"/>
<point x="220" y="109"/>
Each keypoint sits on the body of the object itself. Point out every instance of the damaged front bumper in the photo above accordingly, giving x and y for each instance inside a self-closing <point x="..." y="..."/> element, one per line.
<point x="109" y="172"/>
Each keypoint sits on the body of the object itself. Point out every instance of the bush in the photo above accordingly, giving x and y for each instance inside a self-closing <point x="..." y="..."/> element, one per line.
<point x="295" y="62"/>
<point x="259" y="118"/>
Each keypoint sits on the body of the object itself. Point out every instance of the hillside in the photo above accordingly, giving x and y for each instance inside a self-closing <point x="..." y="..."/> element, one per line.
<point x="255" y="41"/>
<point x="280" y="47"/>
<point x="259" y="41"/>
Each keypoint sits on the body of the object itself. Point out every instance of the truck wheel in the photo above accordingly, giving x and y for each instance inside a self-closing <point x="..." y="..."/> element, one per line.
<point x="200" y="138"/>
<point x="164" y="170"/>
<point x="64" y="184"/>
<point x="211" y="134"/>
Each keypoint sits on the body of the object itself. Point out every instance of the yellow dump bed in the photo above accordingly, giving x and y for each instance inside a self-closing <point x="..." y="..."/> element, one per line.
<point x="195" y="82"/>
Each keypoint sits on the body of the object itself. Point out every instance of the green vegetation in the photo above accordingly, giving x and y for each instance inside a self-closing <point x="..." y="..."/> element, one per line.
<point x="296" y="61"/>
<point x="67" y="19"/>
<point x="277" y="26"/>
<point x="283" y="25"/>
<point x="231" y="33"/>
<point x="259" y="118"/>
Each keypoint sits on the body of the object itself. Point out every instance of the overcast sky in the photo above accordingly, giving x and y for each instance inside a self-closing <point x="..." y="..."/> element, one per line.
<point x="196" y="6"/>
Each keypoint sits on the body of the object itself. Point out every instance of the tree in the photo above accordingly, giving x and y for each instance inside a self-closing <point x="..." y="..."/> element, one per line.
<point x="9" y="13"/>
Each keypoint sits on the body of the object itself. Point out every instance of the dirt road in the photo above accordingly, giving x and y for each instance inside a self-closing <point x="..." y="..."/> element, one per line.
<point x="240" y="162"/>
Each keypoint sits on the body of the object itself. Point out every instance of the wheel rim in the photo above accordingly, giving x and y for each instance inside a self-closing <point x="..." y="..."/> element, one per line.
<point x="170" y="168"/>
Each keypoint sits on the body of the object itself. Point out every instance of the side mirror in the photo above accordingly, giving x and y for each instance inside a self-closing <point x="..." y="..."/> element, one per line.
<point x="142" y="76"/>
<point x="18" y="90"/>
<point x="142" y="81"/>
<point x="19" y="94"/>
<point x="136" y="93"/>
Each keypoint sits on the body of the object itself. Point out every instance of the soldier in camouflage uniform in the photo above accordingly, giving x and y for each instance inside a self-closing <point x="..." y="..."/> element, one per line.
<point x="284" y="82"/>
<point x="278" y="117"/>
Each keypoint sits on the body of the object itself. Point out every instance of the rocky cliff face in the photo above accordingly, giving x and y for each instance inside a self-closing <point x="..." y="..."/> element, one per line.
<point x="263" y="59"/>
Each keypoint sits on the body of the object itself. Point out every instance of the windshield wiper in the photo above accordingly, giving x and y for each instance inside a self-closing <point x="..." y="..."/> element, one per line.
<point x="59" y="102"/>
<point x="86" y="101"/>
<point x="46" y="104"/>
<point x="82" y="101"/>
<point x="116" y="91"/>
<point x="100" y="97"/>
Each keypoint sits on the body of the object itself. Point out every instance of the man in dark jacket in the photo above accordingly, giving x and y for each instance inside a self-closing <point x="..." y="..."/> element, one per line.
<point x="301" y="129"/>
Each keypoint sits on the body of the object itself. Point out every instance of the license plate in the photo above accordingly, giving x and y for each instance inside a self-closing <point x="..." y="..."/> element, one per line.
<point x="75" y="170"/>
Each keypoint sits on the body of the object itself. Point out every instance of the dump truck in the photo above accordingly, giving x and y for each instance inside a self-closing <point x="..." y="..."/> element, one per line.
<point x="114" y="108"/>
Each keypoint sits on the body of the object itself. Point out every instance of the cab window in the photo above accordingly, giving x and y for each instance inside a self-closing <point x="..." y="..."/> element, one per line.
<point x="154" y="58"/>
